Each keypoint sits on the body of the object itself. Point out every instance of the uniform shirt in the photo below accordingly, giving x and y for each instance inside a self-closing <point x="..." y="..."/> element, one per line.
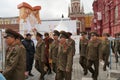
<point x="40" y="51"/>
<point x="82" y="46"/>
<point x="54" y="51"/>
<point x="93" y="50"/>
<point x="71" y="43"/>
<point x="64" y="57"/>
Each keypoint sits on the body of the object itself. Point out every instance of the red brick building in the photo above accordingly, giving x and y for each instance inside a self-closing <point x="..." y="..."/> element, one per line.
<point x="106" y="16"/>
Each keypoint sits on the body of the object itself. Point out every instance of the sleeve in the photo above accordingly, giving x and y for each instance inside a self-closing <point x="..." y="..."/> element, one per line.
<point x="14" y="59"/>
<point x="69" y="60"/>
<point x="43" y="52"/>
<point x="74" y="50"/>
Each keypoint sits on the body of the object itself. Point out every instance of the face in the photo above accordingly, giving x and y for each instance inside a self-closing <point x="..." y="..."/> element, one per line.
<point x="9" y="40"/>
<point x="62" y="40"/>
<point x="38" y="38"/>
<point x="17" y="41"/>
<point x="28" y="37"/>
<point x="93" y="37"/>
<point x="55" y="37"/>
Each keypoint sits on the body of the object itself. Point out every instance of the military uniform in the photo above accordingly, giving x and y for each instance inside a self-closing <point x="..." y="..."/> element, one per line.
<point x="92" y="54"/>
<point x="40" y="57"/>
<point x="64" y="60"/>
<point x="82" y="48"/>
<point x="105" y="52"/>
<point x="14" y="59"/>
<point x="53" y="54"/>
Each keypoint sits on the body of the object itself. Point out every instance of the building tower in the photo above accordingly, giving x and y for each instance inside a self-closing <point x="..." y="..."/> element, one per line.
<point x="76" y="12"/>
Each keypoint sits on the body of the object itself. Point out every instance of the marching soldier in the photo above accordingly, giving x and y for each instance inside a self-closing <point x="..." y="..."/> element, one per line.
<point x="71" y="42"/>
<point x="40" y="56"/>
<point x="64" y="59"/>
<point x="14" y="58"/>
<point x="82" y="48"/>
<point x="54" y="50"/>
<point x="105" y="50"/>
<point x="92" y="53"/>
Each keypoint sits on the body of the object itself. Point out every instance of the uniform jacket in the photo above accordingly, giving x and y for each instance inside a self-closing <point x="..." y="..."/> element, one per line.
<point x="83" y="46"/>
<point x="64" y="57"/>
<point x="54" y="51"/>
<point x="71" y="43"/>
<point x="93" y="50"/>
<point x="40" y="51"/>
<point x="104" y="48"/>
<point x="15" y="63"/>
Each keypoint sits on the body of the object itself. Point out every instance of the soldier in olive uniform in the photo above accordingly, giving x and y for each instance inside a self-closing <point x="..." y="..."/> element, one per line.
<point x="54" y="50"/>
<point x="105" y="50"/>
<point x="40" y="55"/>
<point x="92" y="54"/>
<point x="64" y="59"/>
<point x="82" y="48"/>
<point x="14" y="58"/>
<point x="71" y="42"/>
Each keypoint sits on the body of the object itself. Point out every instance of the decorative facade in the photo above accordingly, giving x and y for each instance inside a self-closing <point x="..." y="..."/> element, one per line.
<point x="109" y="13"/>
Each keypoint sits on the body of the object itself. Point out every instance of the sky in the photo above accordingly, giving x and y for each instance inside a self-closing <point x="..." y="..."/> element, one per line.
<point x="50" y="8"/>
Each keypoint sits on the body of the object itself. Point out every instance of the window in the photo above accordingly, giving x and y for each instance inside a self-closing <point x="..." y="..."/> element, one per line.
<point x="116" y="11"/>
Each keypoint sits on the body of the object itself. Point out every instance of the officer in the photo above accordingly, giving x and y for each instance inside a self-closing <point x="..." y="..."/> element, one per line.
<point x="64" y="59"/>
<point x="40" y="55"/>
<point x="30" y="50"/>
<point x="105" y="50"/>
<point x="92" y="53"/>
<point x="82" y="49"/>
<point x="71" y="42"/>
<point x="14" y="58"/>
<point x="54" y="50"/>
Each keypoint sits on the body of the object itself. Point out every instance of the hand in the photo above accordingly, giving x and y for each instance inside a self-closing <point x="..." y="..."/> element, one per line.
<point x="67" y="70"/>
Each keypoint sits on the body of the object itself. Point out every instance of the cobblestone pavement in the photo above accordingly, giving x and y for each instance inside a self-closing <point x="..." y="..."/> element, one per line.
<point x="78" y="72"/>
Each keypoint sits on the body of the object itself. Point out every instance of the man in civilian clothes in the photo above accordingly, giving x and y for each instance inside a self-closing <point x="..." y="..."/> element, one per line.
<point x="30" y="50"/>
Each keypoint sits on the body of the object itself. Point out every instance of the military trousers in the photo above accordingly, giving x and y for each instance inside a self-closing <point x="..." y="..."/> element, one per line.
<point x="63" y="75"/>
<point x="40" y="67"/>
<point x="105" y="59"/>
<point x="83" y="62"/>
<point x="94" y="70"/>
<point x="54" y="66"/>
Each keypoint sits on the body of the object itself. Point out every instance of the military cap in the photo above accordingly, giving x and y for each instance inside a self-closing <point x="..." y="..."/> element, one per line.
<point x="83" y="33"/>
<point x="63" y="34"/>
<point x="69" y="34"/>
<point x="106" y="34"/>
<point x="39" y="34"/>
<point x="11" y="33"/>
<point x="55" y="32"/>
<point x="93" y="34"/>
<point x="28" y="34"/>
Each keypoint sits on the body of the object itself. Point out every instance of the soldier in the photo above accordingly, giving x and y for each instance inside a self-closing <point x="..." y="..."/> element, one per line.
<point x="64" y="59"/>
<point x="40" y="55"/>
<point x="54" y="50"/>
<point x="105" y="50"/>
<point x="14" y="58"/>
<point x="92" y="54"/>
<point x="71" y="42"/>
<point x="82" y="48"/>
<point x="30" y="50"/>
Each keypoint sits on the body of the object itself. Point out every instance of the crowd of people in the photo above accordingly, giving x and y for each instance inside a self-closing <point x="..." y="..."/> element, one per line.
<point x="56" y="54"/>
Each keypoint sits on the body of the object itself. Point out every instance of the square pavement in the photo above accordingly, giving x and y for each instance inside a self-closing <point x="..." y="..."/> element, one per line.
<point x="77" y="73"/>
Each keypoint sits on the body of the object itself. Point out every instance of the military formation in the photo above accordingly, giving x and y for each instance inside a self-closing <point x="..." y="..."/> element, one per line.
<point x="56" y="54"/>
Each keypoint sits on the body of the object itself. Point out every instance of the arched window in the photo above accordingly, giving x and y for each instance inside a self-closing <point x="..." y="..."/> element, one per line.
<point x="116" y="11"/>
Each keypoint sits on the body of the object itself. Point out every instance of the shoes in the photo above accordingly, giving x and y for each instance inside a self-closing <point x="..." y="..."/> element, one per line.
<point x="85" y="72"/>
<point x="30" y="74"/>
